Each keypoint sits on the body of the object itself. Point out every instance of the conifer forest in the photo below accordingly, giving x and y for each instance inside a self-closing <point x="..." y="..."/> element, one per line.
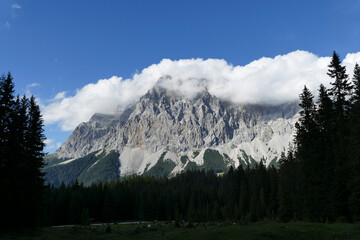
<point x="317" y="179"/>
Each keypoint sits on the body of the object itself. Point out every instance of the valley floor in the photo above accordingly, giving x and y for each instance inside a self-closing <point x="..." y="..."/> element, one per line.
<point x="225" y="230"/>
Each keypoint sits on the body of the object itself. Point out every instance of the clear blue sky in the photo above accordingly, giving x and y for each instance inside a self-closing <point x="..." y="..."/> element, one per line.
<point x="64" y="45"/>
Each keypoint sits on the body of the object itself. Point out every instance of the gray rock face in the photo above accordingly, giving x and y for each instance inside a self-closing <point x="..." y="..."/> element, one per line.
<point x="164" y="120"/>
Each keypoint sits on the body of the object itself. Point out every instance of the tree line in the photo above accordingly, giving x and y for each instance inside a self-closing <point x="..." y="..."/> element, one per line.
<point x="21" y="158"/>
<point x="318" y="178"/>
<point x="325" y="163"/>
<point x="194" y="195"/>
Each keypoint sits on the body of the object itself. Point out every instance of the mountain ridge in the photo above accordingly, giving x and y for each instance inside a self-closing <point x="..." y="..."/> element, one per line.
<point x="166" y="124"/>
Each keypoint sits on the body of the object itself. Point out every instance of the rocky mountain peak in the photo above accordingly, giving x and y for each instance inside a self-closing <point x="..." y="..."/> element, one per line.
<point x="165" y="121"/>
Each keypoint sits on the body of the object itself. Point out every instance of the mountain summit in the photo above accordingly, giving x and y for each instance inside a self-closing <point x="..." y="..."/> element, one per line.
<point x="165" y="133"/>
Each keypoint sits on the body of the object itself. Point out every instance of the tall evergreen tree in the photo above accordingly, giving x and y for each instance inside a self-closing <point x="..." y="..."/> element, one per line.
<point x="18" y="161"/>
<point x="306" y="127"/>
<point x="324" y="163"/>
<point x="354" y="148"/>
<point x="306" y="123"/>
<point x="325" y="112"/>
<point x="34" y="138"/>
<point x="340" y="92"/>
<point x="341" y="87"/>
<point x="7" y="105"/>
<point x="288" y="186"/>
<point x="356" y="82"/>
<point x="21" y="158"/>
<point x="286" y="207"/>
<point x="307" y="154"/>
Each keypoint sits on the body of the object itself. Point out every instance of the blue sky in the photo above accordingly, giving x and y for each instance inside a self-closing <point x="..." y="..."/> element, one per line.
<point x="61" y="46"/>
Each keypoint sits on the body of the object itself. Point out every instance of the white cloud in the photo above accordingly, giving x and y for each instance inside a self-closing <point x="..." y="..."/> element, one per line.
<point x="350" y="60"/>
<point x="48" y="141"/>
<point x="29" y="86"/>
<point x="16" y="6"/>
<point x="267" y="80"/>
<point x="33" y="85"/>
<point x="51" y="145"/>
<point x="59" y="96"/>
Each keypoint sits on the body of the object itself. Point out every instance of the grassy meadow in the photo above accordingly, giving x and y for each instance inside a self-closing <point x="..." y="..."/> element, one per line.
<point x="163" y="230"/>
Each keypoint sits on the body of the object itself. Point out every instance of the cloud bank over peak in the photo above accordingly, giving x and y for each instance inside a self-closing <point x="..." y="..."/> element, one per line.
<point x="264" y="81"/>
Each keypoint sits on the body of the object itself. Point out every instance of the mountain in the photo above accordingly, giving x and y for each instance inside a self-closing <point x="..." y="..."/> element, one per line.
<point x="165" y="133"/>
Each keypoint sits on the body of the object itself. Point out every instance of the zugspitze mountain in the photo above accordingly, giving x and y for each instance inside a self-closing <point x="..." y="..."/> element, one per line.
<point x="166" y="132"/>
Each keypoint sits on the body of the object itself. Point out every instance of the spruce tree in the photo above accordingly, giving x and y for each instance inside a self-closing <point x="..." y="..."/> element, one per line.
<point x="305" y="136"/>
<point x="354" y="148"/>
<point x="341" y="87"/>
<point x="35" y="141"/>
<point x="21" y="158"/>
<point x="288" y="186"/>
<point x="325" y="163"/>
<point x="324" y="116"/>
<point x="6" y="108"/>
<point x="340" y="92"/>
<point x="305" y="139"/>
<point x="356" y="83"/>
<point x="18" y="162"/>
<point x="306" y="121"/>
<point x="34" y="137"/>
<point x="7" y="105"/>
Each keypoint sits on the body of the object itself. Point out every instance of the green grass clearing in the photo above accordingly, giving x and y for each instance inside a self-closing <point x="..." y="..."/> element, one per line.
<point x="226" y="230"/>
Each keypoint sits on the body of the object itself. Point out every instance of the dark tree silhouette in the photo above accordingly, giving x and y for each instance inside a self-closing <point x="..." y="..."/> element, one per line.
<point x="21" y="161"/>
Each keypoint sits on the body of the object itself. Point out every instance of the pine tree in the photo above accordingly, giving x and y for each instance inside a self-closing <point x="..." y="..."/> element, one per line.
<point x="354" y="148"/>
<point x="34" y="137"/>
<point x="18" y="162"/>
<point x="325" y="163"/>
<point x="35" y="140"/>
<point x="340" y="93"/>
<point x="21" y="159"/>
<point x="6" y="108"/>
<point x="306" y="126"/>
<point x="288" y="180"/>
<point x="324" y="116"/>
<point x="306" y="123"/>
<point x="305" y="139"/>
<point x="341" y="87"/>
<point x="7" y="105"/>
<point x="356" y="81"/>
